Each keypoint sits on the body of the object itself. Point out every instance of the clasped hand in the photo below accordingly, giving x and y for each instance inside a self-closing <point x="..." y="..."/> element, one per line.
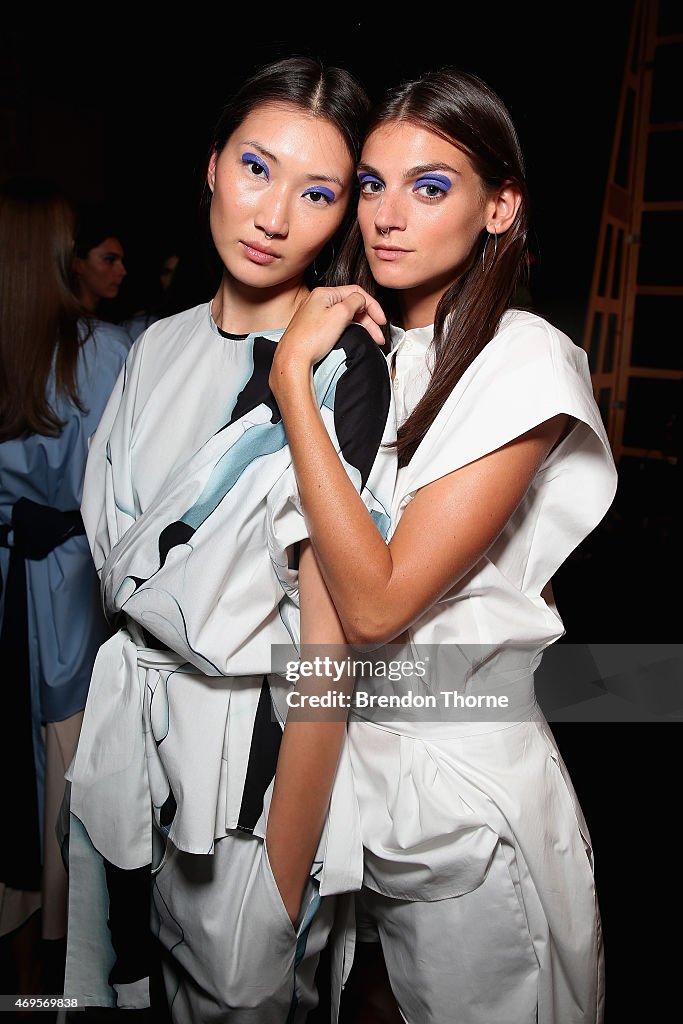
<point x="316" y="327"/>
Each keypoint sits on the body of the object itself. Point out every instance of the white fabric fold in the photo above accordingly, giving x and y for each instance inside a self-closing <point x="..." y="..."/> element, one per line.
<point x="108" y="775"/>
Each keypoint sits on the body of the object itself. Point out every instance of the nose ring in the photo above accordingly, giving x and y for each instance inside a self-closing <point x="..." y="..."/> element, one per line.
<point x="384" y="232"/>
<point x="267" y="235"/>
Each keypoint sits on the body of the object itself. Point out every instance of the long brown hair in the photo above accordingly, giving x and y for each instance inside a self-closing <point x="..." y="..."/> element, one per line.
<point x="39" y="314"/>
<point x="465" y="111"/>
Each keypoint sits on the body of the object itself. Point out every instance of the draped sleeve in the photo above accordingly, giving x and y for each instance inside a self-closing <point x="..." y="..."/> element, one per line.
<point x="527" y="374"/>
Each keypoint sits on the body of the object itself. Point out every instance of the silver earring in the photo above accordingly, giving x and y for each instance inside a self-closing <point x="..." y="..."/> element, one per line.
<point x="495" y="251"/>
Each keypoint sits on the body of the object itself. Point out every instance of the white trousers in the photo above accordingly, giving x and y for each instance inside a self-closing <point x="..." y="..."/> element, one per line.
<point x="232" y="953"/>
<point x="464" y="960"/>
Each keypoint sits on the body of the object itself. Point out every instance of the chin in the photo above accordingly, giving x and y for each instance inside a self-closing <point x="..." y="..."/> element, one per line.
<point x="251" y="275"/>
<point x="389" y="276"/>
<point x="263" y="279"/>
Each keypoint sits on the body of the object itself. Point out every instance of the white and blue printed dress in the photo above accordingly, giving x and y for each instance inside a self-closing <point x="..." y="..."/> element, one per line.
<point x="192" y="511"/>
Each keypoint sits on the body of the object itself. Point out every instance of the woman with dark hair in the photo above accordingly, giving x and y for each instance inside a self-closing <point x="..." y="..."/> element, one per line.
<point x="191" y="510"/>
<point x="98" y="268"/>
<point x="478" y="867"/>
<point x="57" y="369"/>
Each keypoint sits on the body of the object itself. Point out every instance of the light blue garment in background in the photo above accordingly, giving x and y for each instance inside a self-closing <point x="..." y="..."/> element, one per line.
<point x="65" y="620"/>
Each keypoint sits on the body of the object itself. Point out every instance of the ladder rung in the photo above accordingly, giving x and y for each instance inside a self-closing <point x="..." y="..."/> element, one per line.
<point x="665" y="126"/>
<point x="666" y="205"/>
<point x="671" y="40"/>
<point x="655" y="373"/>
<point x="659" y="289"/>
<point x="605" y="304"/>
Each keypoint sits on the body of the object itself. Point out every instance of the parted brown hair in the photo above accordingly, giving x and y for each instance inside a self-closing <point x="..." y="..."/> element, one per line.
<point x="462" y="109"/>
<point x="39" y="313"/>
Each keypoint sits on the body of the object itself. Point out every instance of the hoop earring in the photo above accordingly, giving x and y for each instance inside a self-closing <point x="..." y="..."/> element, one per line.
<point x="495" y="251"/>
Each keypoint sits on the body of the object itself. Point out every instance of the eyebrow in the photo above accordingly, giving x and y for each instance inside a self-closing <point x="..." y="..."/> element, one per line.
<point x="414" y="172"/>
<point x="271" y="156"/>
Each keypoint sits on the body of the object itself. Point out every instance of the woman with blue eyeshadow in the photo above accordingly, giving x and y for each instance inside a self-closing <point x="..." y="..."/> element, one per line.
<point x="192" y="514"/>
<point x="478" y="867"/>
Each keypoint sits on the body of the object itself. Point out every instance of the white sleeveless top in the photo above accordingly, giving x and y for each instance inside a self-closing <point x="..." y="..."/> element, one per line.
<point x="529" y="372"/>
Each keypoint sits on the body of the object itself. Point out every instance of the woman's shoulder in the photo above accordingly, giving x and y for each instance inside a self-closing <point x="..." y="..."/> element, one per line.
<point x="180" y="326"/>
<point x="528" y="373"/>
<point x="521" y="327"/>
<point x="523" y="332"/>
<point x="105" y="333"/>
<point x="139" y="322"/>
<point x="162" y="338"/>
<point x="530" y="351"/>
<point x="194" y="314"/>
<point x="361" y="349"/>
<point x="103" y="345"/>
<point x="104" y="348"/>
<point x="355" y="336"/>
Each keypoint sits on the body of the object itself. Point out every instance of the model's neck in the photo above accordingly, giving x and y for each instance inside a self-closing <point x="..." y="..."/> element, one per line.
<point x="418" y="306"/>
<point x="240" y="310"/>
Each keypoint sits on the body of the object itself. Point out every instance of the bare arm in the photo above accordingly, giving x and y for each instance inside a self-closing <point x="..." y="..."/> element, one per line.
<point x="379" y="589"/>
<point x="309" y="753"/>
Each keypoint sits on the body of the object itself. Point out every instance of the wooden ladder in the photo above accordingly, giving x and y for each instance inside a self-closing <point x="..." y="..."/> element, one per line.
<point x="634" y="324"/>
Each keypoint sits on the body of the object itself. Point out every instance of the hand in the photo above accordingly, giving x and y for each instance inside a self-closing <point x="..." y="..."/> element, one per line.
<point x="318" y="324"/>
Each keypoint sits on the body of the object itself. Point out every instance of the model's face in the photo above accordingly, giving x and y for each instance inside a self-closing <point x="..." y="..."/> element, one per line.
<point x="421" y="210"/>
<point x="100" y="274"/>
<point x="285" y="174"/>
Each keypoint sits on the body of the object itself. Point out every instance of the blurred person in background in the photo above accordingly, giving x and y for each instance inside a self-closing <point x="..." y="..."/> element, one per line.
<point x="98" y="262"/>
<point x="57" y="369"/>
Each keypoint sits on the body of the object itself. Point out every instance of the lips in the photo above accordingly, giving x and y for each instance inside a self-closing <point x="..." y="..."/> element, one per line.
<point x="389" y="252"/>
<point x="259" y="253"/>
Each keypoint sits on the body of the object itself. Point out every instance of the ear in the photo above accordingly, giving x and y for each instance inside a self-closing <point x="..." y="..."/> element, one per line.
<point x="502" y="209"/>
<point x="211" y="170"/>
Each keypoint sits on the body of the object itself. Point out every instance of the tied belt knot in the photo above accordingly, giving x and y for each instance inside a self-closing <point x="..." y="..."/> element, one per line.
<point x="35" y="530"/>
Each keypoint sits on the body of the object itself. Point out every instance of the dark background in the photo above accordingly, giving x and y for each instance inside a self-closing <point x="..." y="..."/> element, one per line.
<point x="122" y="109"/>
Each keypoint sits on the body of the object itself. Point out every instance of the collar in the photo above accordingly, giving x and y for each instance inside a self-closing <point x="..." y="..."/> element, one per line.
<point x="417" y="339"/>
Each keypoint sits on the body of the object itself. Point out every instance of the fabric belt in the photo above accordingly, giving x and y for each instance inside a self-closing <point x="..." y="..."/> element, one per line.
<point x="108" y="775"/>
<point x="110" y="786"/>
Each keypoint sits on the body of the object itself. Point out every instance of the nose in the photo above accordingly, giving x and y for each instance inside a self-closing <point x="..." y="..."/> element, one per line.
<point x="390" y="214"/>
<point x="273" y="214"/>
